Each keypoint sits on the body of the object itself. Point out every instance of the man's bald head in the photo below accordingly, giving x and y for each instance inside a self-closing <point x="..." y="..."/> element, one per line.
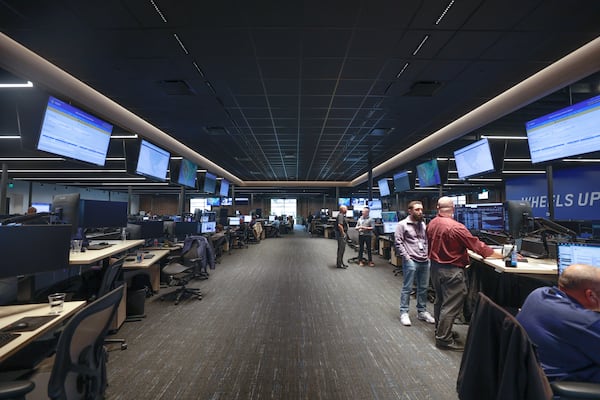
<point x="582" y="282"/>
<point x="445" y="206"/>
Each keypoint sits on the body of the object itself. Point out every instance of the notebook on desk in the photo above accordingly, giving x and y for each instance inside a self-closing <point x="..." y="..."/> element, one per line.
<point x="98" y="246"/>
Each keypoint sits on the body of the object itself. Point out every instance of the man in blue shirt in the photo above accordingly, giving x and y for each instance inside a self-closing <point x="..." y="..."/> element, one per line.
<point x="564" y="324"/>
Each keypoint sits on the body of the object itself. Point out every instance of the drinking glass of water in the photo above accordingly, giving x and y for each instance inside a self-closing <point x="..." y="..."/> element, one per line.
<point x="56" y="301"/>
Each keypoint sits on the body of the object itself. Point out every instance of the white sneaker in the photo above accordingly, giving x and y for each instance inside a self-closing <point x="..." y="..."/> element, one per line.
<point x="425" y="316"/>
<point x="404" y="319"/>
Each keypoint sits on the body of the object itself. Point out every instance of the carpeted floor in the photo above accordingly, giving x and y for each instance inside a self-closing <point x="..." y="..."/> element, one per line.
<point x="279" y="321"/>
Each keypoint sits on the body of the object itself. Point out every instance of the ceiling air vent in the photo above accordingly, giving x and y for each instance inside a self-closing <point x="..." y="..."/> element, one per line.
<point x="215" y="130"/>
<point x="176" y="87"/>
<point x="424" y="88"/>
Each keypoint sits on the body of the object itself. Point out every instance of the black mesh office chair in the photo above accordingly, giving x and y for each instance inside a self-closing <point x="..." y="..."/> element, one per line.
<point x="78" y="370"/>
<point x="500" y="362"/>
<point x="180" y="272"/>
<point x="108" y="283"/>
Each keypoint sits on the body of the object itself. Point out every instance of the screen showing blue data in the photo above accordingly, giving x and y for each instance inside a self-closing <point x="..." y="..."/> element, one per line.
<point x="187" y="173"/>
<point x="429" y="174"/>
<point x="571" y="131"/>
<point x="70" y="132"/>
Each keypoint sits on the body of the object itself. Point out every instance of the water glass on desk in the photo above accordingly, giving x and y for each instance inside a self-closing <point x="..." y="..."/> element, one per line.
<point x="76" y="246"/>
<point x="56" y="301"/>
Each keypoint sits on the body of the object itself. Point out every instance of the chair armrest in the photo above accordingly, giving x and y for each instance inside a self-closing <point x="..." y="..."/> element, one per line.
<point x="576" y="390"/>
<point x="15" y="389"/>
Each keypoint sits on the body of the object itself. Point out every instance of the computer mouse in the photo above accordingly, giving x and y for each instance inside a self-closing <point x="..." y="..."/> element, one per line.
<point x="21" y="325"/>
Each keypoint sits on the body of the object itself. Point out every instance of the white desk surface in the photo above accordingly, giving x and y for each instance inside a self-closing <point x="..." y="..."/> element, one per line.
<point x="532" y="266"/>
<point x="11" y="314"/>
<point x="92" y="256"/>
<point x="146" y="262"/>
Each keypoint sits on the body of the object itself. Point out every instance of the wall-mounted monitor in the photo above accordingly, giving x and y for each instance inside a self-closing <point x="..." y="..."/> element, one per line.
<point x="429" y="173"/>
<point x="152" y="161"/>
<point x="401" y="182"/>
<point x="344" y="201"/>
<point x="210" y="183"/>
<point x="213" y="201"/>
<point x="224" y="188"/>
<point x="186" y="174"/>
<point x="70" y="132"/>
<point x="384" y="187"/>
<point x="474" y="159"/>
<point x="567" y="132"/>
<point x="358" y="202"/>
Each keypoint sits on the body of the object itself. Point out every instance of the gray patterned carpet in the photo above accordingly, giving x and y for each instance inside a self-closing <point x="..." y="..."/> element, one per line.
<point x="279" y="321"/>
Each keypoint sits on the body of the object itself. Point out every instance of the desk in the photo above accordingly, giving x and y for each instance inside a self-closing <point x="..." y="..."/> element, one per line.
<point x="149" y="264"/>
<point x="10" y="314"/>
<point x="92" y="256"/>
<point x="507" y="286"/>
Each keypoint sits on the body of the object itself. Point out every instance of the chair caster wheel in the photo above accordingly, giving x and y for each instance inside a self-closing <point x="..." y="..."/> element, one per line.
<point x="123" y="346"/>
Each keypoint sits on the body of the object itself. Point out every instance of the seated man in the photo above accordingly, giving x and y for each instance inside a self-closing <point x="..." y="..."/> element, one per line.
<point x="564" y="324"/>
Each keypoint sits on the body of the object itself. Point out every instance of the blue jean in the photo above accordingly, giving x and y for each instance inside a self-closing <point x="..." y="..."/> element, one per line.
<point x="364" y="241"/>
<point x="412" y="269"/>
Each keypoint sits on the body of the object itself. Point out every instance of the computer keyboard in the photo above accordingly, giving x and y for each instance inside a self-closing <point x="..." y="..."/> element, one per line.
<point x="147" y="256"/>
<point x="7" y="337"/>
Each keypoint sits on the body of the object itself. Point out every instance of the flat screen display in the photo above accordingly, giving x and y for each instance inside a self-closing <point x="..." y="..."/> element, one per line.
<point x="577" y="253"/>
<point x="390" y="220"/>
<point x="100" y="214"/>
<point x="358" y="202"/>
<point x="401" y="182"/>
<point x="344" y="201"/>
<point x="187" y="173"/>
<point x="152" y="161"/>
<point x="374" y="208"/>
<point x="210" y="183"/>
<point x="384" y="187"/>
<point x="71" y="132"/>
<point x="567" y="132"/>
<point x="234" y="221"/>
<point x="429" y="173"/>
<point x="41" y="207"/>
<point x="224" y="189"/>
<point x="474" y="159"/>
<point x="213" y="201"/>
<point x="208" y="227"/>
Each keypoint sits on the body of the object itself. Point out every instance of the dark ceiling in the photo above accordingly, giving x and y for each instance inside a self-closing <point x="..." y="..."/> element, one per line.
<point x="295" y="90"/>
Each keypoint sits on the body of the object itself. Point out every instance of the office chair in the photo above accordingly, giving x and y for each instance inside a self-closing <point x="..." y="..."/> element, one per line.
<point x="500" y="362"/>
<point x="181" y="273"/>
<point x="108" y="283"/>
<point x="240" y="237"/>
<point x="78" y="369"/>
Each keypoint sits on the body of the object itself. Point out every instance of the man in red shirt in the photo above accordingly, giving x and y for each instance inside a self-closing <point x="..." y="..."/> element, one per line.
<point x="449" y="241"/>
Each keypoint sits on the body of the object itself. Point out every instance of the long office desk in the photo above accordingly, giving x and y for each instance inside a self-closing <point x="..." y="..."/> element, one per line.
<point x="151" y="265"/>
<point x="507" y="286"/>
<point x="11" y="314"/>
<point x="92" y="256"/>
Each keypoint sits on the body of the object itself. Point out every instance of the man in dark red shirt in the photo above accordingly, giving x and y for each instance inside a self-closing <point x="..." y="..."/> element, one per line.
<point x="449" y="241"/>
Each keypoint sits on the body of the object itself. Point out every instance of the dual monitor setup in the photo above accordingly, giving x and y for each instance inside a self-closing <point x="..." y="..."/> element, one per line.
<point x="73" y="133"/>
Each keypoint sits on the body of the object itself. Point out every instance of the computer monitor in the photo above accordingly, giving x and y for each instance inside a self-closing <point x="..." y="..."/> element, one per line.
<point x="474" y="159"/>
<point x="429" y="173"/>
<point x="384" y="187"/>
<point x="102" y="214"/>
<point x="183" y="229"/>
<point x="390" y="220"/>
<point x="518" y="218"/>
<point x="577" y="253"/>
<point x="213" y="201"/>
<point x="209" y="183"/>
<point x="334" y="214"/>
<point x="224" y="188"/>
<point x="183" y="172"/>
<point x="71" y="132"/>
<point x="401" y="182"/>
<point x="65" y="210"/>
<point x="349" y="213"/>
<point x="375" y="208"/>
<point x="41" y="207"/>
<point x="152" y="161"/>
<point x="234" y="221"/>
<point x="247" y="218"/>
<point x="208" y="227"/>
<point x="30" y="249"/>
<point x="271" y="218"/>
<point x="151" y="229"/>
<point x="344" y="201"/>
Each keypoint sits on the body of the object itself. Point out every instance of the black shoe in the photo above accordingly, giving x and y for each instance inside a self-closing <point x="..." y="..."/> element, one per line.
<point x="452" y="346"/>
<point x="345" y="265"/>
<point x="455" y="335"/>
<point x="341" y="266"/>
